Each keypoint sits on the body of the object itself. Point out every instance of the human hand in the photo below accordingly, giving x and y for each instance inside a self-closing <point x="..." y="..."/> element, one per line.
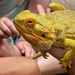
<point x="25" y="48"/>
<point x="7" y="28"/>
<point x="33" y="5"/>
<point x="58" y="54"/>
<point x="7" y="49"/>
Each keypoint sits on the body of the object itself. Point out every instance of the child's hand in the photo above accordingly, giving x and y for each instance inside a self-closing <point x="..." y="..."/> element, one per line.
<point x="25" y="48"/>
<point x="7" y="28"/>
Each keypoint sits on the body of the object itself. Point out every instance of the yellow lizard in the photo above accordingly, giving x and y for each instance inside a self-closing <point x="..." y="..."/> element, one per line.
<point x="43" y="31"/>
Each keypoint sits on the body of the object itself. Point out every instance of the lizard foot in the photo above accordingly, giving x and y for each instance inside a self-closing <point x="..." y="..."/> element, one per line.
<point x="44" y="54"/>
<point x="66" y="64"/>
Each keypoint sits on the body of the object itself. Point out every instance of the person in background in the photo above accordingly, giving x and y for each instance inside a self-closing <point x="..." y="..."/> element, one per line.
<point x="7" y="29"/>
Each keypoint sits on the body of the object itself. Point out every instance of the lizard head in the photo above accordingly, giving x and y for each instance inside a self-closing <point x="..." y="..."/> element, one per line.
<point x="34" y="28"/>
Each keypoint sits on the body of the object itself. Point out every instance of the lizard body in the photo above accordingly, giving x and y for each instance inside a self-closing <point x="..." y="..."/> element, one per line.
<point x="43" y="31"/>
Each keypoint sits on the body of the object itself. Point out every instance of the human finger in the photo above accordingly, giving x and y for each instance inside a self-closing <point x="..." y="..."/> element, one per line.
<point x="40" y="9"/>
<point x="48" y="10"/>
<point x="8" y="27"/>
<point x="21" y="48"/>
<point x="2" y="35"/>
<point x="29" y="51"/>
<point x="25" y="48"/>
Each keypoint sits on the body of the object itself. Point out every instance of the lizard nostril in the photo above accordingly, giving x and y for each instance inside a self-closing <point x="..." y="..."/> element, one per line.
<point x="43" y="35"/>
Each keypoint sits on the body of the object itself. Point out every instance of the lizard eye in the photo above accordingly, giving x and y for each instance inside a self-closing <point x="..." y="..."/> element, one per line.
<point x="30" y="22"/>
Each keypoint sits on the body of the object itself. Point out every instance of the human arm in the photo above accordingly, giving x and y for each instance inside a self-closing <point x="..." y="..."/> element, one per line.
<point x="18" y="66"/>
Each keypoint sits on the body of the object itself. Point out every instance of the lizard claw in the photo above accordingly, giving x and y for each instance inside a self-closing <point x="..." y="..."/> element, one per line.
<point x="66" y="64"/>
<point x="44" y="54"/>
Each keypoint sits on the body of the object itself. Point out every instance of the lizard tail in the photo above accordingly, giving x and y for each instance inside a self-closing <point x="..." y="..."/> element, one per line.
<point x="37" y="55"/>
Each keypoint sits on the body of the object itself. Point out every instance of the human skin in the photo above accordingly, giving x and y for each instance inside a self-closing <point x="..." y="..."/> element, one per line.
<point x="33" y="5"/>
<point x="7" y="28"/>
<point x="7" y="49"/>
<point x="18" y="66"/>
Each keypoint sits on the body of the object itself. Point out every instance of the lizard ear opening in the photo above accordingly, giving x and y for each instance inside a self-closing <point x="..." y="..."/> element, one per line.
<point x="30" y="23"/>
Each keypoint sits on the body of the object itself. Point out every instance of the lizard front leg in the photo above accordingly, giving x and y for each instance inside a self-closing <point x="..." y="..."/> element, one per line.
<point x="44" y="53"/>
<point x="41" y="53"/>
<point x="66" y="61"/>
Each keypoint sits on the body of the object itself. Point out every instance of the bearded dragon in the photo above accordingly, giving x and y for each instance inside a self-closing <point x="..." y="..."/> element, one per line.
<point x="44" y="31"/>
